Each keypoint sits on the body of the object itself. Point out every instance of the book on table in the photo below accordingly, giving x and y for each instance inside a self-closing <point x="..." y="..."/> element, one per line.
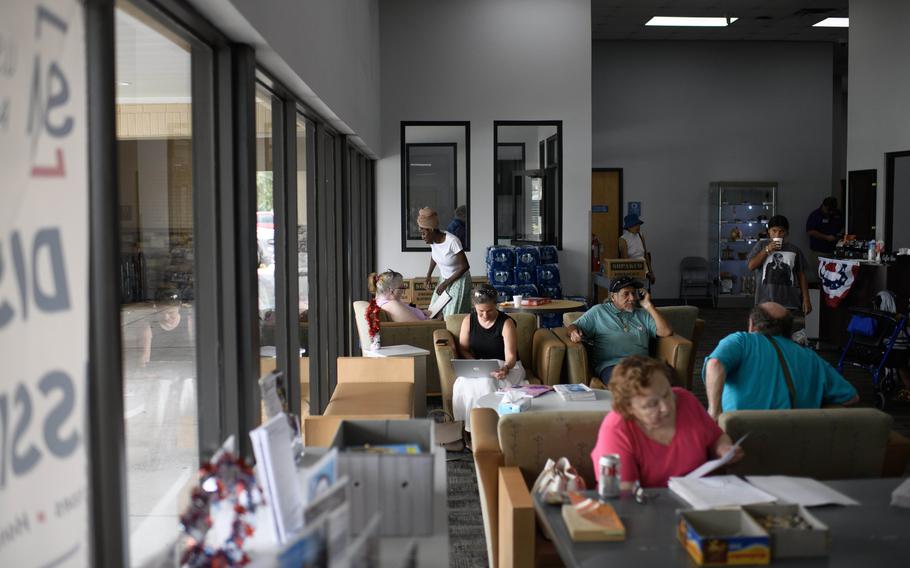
<point x="575" y="392"/>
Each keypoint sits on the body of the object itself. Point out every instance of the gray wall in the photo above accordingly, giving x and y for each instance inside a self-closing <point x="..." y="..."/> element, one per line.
<point x="481" y="60"/>
<point x="327" y="52"/>
<point x="879" y="87"/>
<point x="678" y="115"/>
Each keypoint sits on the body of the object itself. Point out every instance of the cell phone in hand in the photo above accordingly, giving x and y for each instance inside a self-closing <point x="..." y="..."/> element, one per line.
<point x="641" y="293"/>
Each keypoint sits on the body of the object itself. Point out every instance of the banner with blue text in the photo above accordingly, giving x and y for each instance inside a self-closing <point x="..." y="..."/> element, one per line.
<point x="44" y="248"/>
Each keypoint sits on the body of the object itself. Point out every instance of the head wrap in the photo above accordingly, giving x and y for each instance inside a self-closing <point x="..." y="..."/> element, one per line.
<point x="427" y="218"/>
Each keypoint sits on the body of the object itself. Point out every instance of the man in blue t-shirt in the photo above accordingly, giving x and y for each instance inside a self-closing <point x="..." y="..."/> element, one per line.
<point x="744" y="371"/>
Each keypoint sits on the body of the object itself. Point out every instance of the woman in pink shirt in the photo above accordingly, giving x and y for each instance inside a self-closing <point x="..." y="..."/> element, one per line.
<point x="658" y="431"/>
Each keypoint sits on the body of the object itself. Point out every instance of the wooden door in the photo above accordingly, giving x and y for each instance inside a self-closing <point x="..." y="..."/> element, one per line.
<point x="606" y="204"/>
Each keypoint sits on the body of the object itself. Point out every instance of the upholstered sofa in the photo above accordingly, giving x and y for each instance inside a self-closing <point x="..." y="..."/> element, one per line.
<point x="827" y="443"/>
<point x="509" y="453"/>
<point x="418" y="334"/>
<point x="678" y="350"/>
<point x="541" y="353"/>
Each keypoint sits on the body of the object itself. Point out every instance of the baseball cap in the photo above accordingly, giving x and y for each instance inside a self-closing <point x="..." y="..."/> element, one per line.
<point x="624" y="282"/>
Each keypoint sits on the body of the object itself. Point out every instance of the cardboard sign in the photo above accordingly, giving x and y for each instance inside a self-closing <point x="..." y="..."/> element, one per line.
<point x="44" y="238"/>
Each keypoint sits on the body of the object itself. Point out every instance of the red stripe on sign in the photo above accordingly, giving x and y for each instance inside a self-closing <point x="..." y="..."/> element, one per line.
<point x="57" y="170"/>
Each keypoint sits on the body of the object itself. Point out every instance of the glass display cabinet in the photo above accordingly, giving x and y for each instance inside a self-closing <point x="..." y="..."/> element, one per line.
<point x="739" y="218"/>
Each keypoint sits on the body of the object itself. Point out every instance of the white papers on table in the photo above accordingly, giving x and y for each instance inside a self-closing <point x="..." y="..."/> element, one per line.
<point x="441" y="301"/>
<point x="709" y="466"/>
<point x="803" y="491"/>
<point x="900" y="497"/>
<point x="278" y="476"/>
<point x="718" y="491"/>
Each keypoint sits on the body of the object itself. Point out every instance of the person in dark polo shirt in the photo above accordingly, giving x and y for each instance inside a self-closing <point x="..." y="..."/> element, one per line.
<point x="824" y="225"/>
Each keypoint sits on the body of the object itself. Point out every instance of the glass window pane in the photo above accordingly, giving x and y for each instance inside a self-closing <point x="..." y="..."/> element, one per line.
<point x="303" y="288"/>
<point x="265" y="229"/>
<point x="155" y="185"/>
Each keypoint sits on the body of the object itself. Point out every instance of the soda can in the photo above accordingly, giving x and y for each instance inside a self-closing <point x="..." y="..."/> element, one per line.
<point x="609" y="466"/>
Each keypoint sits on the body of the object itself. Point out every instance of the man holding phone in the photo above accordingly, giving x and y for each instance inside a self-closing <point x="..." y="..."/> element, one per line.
<point x="618" y="328"/>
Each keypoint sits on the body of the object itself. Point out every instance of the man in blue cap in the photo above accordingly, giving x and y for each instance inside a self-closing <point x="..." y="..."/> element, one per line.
<point x="632" y="243"/>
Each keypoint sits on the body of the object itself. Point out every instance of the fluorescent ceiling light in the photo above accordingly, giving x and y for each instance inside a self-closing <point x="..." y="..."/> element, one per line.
<point x="689" y="21"/>
<point x="833" y="23"/>
<point x="417" y="165"/>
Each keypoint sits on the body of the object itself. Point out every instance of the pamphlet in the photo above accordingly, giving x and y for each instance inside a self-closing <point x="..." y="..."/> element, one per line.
<point x="574" y="392"/>
<point x="718" y="491"/>
<point x="277" y="472"/>
<point x="709" y="466"/>
<point x="531" y="391"/>
<point x="803" y="491"/>
<point x="439" y="304"/>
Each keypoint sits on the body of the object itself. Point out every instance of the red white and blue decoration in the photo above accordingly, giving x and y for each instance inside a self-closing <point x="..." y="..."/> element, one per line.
<point x="837" y="277"/>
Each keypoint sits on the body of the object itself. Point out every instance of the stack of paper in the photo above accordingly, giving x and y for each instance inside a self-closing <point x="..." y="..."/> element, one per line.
<point x="803" y="491"/>
<point x="719" y="491"/>
<point x="575" y="392"/>
<point x="901" y="496"/>
<point x="278" y="476"/>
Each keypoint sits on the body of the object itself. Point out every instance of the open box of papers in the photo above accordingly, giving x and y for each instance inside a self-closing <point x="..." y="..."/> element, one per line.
<point x="390" y="467"/>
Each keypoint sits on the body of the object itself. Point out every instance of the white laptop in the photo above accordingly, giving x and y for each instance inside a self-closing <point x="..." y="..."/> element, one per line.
<point x="475" y="368"/>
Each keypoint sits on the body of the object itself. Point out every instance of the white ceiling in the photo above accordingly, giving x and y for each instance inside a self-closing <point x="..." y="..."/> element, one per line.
<point x="156" y="67"/>
<point x="762" y="20"/>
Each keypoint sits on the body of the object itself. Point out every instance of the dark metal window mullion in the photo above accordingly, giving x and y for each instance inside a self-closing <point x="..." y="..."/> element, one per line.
<point x="315" y="349"/>
<point x="286" y="287"/>
<point x="106" y="444"/>
<point x="207" y="295"/>
<point x="280" y="235"/>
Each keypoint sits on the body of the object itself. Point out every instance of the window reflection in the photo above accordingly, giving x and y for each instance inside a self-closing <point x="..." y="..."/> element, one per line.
<point x="303" y="289"/>
<point x="155" y="186"/>
<point x="265" y="229"/>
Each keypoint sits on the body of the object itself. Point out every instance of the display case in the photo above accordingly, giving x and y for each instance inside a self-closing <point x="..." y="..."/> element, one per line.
<point x="739" y="218"/>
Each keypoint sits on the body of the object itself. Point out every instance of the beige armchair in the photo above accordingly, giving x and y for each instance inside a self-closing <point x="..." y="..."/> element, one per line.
<point x="509" y="453"/>
<point x="416" y="333"/>
<point x="541" y="353"/>
<point x="676" y="350"/>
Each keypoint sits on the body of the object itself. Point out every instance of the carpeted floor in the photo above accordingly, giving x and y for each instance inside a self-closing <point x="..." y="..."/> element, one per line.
<point x="466" y="538"/>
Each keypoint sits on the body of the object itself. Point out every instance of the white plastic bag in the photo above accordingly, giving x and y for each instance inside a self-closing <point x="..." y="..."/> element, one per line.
<point x="556" y="479"/>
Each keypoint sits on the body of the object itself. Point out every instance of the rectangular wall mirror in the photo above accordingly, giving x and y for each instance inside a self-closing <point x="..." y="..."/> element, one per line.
<point x="435" y="172"/>
<point x="527" y="182"/>
<point x="897" y="200"/>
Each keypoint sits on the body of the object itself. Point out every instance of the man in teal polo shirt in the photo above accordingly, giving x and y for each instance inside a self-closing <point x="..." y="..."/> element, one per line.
<point x="617" y="328"/>
<point x="744" y="372"/>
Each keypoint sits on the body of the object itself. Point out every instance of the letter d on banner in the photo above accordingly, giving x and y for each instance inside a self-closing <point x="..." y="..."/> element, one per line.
<point x="44" y="316"/>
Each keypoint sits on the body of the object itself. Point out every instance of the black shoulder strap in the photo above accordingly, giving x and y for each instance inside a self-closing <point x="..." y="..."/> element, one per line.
<point x="783" y="365"/>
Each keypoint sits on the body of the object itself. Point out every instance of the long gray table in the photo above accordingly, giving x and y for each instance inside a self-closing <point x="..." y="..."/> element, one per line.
<point x="871" y="534"/>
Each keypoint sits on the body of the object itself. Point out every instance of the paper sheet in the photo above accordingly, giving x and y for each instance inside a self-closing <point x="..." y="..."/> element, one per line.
<point x="718" y="491"/>
<point x="275" y="461"/>
<point x="709" y="466"/>
<point x="804" y="491"/>
<point x="439" y="304"/>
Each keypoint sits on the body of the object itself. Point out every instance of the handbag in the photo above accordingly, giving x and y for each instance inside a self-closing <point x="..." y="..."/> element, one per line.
<point x="556" y="479"/>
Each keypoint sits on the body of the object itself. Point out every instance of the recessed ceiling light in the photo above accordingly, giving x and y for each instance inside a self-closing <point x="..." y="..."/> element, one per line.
<point x="833" y="23"/>
<point x="690" y="21"/>
<point x="124" y="83"/>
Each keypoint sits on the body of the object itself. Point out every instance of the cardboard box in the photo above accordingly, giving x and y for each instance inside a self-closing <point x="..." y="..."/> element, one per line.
<point x="415" y="290"/>
<point x="617" y="267"/>
<point x="723" y="537"/>
<point x="793" y="543"/>
<point x="400" y="486"/>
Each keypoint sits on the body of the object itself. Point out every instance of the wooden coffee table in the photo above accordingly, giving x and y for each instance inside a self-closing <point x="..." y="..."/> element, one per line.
<point x="552" y="307"/>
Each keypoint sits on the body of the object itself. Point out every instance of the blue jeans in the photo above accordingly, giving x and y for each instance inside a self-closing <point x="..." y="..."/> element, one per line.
<point x="605" y="374"/>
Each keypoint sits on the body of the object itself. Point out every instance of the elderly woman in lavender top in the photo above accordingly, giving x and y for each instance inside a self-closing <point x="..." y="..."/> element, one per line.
<point x="389" y="286"/>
